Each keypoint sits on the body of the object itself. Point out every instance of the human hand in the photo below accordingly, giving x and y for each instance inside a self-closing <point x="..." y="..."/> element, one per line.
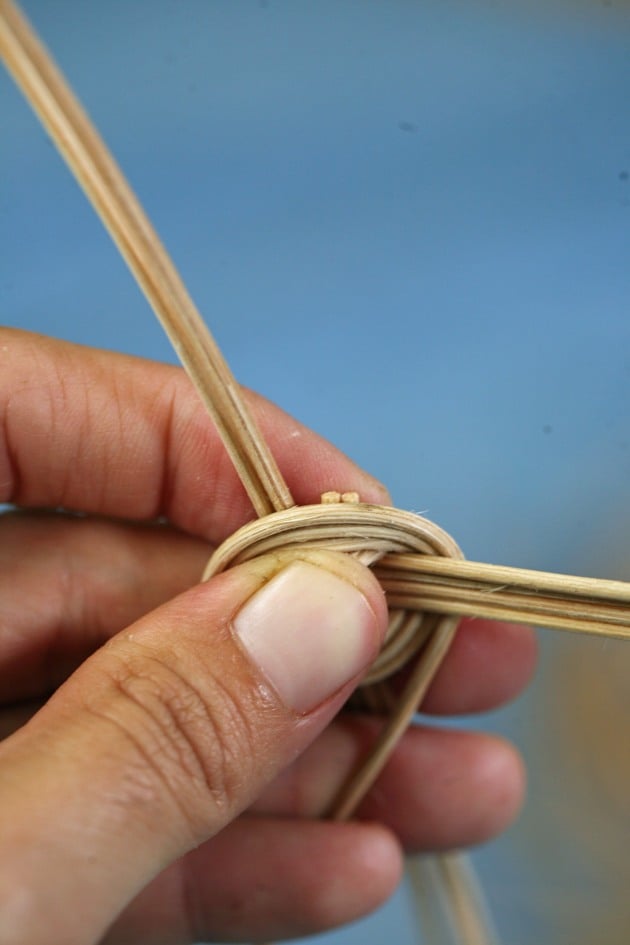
<point x="157" y="783"/>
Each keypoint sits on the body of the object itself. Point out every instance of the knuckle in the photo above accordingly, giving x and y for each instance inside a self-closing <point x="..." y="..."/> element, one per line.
<point x="190" y="742"/>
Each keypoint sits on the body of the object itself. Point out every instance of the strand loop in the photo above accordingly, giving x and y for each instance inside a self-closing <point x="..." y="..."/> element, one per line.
<point x="367" y="531"/>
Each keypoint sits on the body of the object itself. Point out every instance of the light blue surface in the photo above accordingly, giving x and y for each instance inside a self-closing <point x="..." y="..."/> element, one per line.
<point x="420" y="213"/>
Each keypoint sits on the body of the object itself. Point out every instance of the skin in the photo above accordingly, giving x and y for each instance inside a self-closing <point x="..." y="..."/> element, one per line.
<point x="126" y="444"/>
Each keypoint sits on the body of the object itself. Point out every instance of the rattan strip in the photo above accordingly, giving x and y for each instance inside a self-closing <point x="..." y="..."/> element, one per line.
<point x="449" y="881"/>
<point x="434" y="578"/>
<point x="113" y="200"/>
<point x="561" y="601"/>
<point x="104" y="184"/>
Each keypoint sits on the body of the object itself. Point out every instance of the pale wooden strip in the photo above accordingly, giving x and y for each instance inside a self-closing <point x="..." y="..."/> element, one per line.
<point x="434" y="578"/>
<point x="450" y="903"/>
<point x="458" y="595"/>
<point x="404" y="708"/>
<point x="451" y="586"/>
<point x="112" y="198"/>
<point x="564" y="585"/>
<point x="105" y="186"/>
<point x="468" y="911"/>
<point x="530" y="616"/>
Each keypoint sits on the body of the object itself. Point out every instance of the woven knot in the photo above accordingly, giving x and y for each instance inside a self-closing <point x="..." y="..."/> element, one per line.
<point x="367" y="531"/>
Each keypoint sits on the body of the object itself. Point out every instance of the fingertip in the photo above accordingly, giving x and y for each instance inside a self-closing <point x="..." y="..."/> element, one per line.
<point x="497" y="787"/>
<point x="380" y="858"/>
<point x="376" y="492"/>
<point x="489" y="664"/>
<point x="449" y="789"/>
<point x="367" y="872"/>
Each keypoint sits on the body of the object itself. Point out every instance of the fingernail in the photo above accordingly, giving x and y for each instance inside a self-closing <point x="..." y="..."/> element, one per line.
<point x="310" y="632"/>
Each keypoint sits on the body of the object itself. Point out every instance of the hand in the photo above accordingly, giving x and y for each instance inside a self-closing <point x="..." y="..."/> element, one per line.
<point x="143" y="713"/>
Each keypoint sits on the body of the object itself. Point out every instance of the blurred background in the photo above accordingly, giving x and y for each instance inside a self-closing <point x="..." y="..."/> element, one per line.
<point x="408" y="224"/>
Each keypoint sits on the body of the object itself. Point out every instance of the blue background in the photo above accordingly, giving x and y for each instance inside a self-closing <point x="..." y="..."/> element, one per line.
<point x="409" y="224"/>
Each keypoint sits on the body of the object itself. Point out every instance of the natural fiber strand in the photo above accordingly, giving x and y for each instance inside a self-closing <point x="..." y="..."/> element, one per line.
<point x="104" y="184"/>
<point x="421" y="568"/>
<point x="434" y="578"/>
<point x="450" y="879"/>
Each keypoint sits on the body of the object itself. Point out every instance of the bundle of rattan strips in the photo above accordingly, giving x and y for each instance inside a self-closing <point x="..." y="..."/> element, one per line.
<point x="420" y="567"/>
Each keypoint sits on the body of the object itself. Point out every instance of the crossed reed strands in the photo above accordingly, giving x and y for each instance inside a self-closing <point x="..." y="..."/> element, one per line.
<point x="428" y="584"/>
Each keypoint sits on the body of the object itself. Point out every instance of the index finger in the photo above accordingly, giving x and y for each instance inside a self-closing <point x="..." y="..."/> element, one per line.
<point x="114" y="435"/>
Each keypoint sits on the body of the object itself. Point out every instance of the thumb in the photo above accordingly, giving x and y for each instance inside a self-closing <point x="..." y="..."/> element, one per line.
<point x="170" y="730"/>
